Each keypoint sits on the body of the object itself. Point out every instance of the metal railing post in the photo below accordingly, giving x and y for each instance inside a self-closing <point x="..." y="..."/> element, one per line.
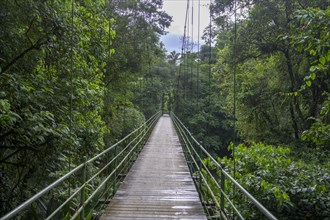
<point x="222" y="196"/>
<point x="141" y="138"/>
<point x="145" y="129"/>
<point x="107" y="156"/>
<point x="114" y="184"/>
<point x="200" y="168"/>
<point x="83" y="190"/>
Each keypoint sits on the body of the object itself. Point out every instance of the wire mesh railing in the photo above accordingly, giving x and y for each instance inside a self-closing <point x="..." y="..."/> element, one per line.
<point x="92" y="183"/>
<point x="217" y="189"/>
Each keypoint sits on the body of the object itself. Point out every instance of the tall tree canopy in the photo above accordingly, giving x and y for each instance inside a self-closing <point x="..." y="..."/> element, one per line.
<point x="67" y="70"/>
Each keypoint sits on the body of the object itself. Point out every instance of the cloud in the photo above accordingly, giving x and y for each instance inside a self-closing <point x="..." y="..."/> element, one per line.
<point x="177" y="9"/>
<point x="172" y="42"/>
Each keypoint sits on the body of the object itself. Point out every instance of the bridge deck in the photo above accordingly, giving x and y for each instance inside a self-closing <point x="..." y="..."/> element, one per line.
<point x="159" y="185"/>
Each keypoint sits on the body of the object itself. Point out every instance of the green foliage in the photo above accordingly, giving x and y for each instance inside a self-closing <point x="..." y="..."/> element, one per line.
<point x="129" y="80"/>
<point x="319" y="132"/>
<point x="288" y="187"/>
<point x="71" y="71"/>
<point x="67" y="74"/>
<point x="7" y="117"/>
<point x="198" y="103"/>
<point x="52" y="90"/>
<point x="173" y="58"/>
<point x="281" y="62"/>
<point x="154" y="91"/>
<point x="124" y="121"/>
<point x="314" y="39"/>
<point x="281" y="66"/>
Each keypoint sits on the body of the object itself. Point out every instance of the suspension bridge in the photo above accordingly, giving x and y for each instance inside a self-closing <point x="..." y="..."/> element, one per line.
<point x="155" y="172"/>
<point x="159" y="184"/>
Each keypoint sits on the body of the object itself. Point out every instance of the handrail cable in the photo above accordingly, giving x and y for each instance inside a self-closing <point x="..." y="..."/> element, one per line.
<point x="145" y="129"/>
<point x="191" y="148"/>
<point x="108" y="177"/>
<point x="183" y="129"/>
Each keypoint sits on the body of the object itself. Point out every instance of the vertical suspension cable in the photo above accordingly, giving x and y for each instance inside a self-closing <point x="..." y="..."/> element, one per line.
<point x="147" y="74"/>
<point x="192" y="49"/>
<point x="109" y="28"/>
<point x="71" y="91"/>
<point x="198" y="51"/>
<point x="210" y="54"/>
<point x="235" y="70"/>
<point x="186" y="69"/>
<point x="197" y="75"/>
<point x="234" y="110"/>
<point x="183" y="51"/>
<point x="209" y="68"/>
<point x="107" y="196"/>
<point x="125" y="85"/>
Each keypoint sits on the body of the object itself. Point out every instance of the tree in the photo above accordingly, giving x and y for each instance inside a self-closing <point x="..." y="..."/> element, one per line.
<point x="53" y="58"/>
<point x="260" y="28"/>
<point x="173" y="57"/>
<point x="314" y="42"/>
<point x="67" y="74"/>
<point x="138" y="26"/>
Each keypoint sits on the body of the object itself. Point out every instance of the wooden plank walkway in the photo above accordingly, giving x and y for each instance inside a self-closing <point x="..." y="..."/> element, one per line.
<point x="159" y="185"/>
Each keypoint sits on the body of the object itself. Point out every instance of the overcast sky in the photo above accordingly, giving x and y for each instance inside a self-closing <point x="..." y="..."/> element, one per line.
<point x="177" y="9"/>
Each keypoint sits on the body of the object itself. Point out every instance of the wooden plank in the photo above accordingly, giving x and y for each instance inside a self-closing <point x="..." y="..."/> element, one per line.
<point x="159" y="185"/>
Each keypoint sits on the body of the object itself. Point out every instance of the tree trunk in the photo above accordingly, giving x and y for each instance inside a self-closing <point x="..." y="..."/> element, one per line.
<point x="295" y="105"/>
<point x="294" y="122"/>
